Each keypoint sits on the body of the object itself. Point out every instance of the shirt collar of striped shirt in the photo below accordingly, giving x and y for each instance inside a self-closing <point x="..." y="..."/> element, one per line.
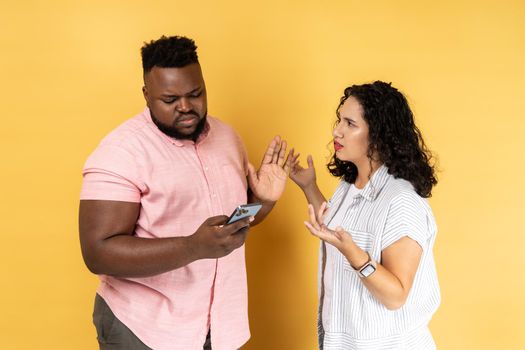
<point x="376" y="184"/>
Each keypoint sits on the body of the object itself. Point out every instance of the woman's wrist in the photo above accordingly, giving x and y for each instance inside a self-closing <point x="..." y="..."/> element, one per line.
<point x="310" y="188"/>
<point x="356" y="256"/>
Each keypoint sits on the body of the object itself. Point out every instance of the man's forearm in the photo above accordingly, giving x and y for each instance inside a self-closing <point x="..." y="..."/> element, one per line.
<point x="130" y="256"/>
<point x="263" y="212"/>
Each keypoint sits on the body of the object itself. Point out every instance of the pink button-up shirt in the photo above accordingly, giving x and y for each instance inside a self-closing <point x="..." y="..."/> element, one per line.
<point x="179" y="184"/>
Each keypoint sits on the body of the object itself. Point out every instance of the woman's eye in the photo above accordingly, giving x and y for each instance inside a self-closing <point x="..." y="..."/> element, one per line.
<point x="349" y="122"/>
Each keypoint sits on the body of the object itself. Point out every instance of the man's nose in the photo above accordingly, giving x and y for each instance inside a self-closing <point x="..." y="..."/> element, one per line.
<point x="184" y="105"/>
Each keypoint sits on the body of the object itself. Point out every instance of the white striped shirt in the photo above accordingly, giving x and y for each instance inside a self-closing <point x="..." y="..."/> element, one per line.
<point x="386" y="210"/>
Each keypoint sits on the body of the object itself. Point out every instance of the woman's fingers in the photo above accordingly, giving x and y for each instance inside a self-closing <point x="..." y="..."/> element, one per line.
<point x="338" y="233"/>
<point x="310" y="161"/>
<point x="288" y="164"/>
<point x="318" y="229"/>
<point x="323" y="234"/>
<point x="313" y="218"/>
<point x="341" y="234"/>
<point x="310" y="228"/>
<point x="322" y="212"/>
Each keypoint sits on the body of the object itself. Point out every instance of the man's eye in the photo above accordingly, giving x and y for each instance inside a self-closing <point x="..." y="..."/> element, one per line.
<point x="196" y="94"/>
<point x="170" y="101"/>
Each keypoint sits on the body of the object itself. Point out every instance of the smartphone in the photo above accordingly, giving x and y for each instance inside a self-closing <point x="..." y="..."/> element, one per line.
<point x="243" y="211"/>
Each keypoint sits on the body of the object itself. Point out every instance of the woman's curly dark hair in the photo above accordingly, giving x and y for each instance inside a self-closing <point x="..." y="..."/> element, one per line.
<point x="392" y="135"/>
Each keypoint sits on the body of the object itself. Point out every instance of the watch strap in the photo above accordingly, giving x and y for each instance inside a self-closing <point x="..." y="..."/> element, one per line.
<point x="370" y="264"/>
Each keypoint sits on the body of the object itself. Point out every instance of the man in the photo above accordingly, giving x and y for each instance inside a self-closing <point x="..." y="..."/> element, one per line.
<point x="153" y="208"/>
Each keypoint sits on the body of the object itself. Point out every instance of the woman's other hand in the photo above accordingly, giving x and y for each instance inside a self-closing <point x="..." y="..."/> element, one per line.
<point x="338" y="238"/>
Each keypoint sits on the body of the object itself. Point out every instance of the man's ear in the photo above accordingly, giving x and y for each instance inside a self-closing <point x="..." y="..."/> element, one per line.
<point x="145" y="93"/>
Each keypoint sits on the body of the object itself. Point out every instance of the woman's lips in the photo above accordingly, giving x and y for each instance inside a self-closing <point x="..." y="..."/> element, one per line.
<point x="337" y="146"/>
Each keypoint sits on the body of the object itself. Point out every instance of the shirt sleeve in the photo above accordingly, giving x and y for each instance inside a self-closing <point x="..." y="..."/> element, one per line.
<point x="407" y="216"/>
<point x="112" y="173"/>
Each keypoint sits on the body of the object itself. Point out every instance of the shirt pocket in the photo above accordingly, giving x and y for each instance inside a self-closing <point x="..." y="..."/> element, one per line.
<point x="235" y="187"/>
<point x="364" y="240"/>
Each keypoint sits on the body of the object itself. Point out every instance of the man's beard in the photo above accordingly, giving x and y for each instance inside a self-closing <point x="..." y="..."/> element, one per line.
<point x="171" y="131"/>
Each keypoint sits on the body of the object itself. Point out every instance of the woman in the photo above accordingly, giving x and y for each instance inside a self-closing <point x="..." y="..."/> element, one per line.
<point x="378" y="283"/>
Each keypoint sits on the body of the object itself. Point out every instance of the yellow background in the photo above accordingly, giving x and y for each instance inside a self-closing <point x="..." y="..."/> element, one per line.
<point x="71" y="72"/>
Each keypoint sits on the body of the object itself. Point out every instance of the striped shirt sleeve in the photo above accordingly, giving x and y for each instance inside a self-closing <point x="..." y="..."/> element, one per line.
<point x="407" y="216"/>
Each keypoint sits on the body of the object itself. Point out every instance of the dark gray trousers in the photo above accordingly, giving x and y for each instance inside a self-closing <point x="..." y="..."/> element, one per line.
<point x="114" y="335"/>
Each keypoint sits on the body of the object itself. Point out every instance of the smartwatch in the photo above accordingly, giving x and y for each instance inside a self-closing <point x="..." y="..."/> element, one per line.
<point x="368" y="268"/>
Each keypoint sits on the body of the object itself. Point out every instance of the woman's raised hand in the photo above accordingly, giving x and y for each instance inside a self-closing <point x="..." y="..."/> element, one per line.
<point x="303" y="177"/>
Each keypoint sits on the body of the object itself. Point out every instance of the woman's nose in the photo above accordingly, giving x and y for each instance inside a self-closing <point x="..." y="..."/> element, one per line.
<point x="336" y="132"/>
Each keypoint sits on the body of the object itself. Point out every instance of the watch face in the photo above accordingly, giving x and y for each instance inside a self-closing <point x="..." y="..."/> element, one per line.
<point x="368" y="270"/>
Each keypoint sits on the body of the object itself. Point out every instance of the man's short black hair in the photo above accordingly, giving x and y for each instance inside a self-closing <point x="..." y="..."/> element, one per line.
<point x="169" y="52"/>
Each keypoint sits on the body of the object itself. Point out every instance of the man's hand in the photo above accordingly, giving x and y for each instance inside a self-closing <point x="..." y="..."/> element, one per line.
<point x="214" y="239"/>
<point x="268" y="183"/>
<point x="110" y="247"/>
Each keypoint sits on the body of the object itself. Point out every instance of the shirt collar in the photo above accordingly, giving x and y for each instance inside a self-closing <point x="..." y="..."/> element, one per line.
<point x="177" y="142"/>
<point x="376" y="184"/>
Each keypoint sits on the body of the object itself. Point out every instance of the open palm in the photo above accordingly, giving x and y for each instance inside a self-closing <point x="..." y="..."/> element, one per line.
<point x="268" y="183"/>
<point x="339" y="238"/>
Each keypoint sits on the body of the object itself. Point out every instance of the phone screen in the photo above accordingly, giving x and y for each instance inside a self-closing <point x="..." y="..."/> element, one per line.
<point x="243" y="211"/>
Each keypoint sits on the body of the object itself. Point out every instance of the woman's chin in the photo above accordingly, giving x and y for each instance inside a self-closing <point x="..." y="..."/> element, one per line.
<point x="341" y="157"/>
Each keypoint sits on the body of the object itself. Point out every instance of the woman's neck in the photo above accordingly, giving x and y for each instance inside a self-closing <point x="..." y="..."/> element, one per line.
<point x="365" y="172"/>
